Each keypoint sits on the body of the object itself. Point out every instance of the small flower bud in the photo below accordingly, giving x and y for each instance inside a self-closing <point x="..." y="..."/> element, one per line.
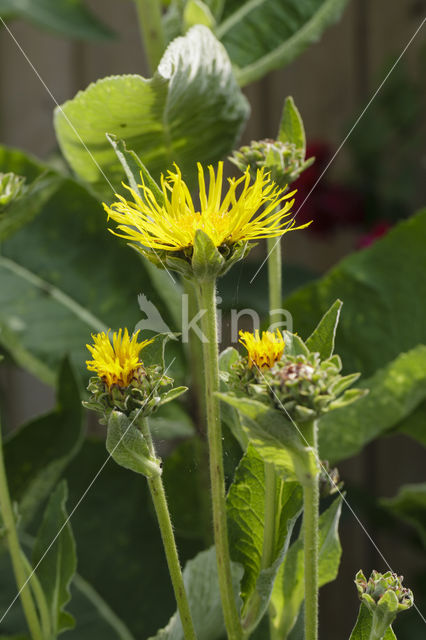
<point x="11" y="187"/>
<point x="283" y="159"/>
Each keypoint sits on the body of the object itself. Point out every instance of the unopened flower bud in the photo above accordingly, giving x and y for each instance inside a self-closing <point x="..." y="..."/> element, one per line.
<point x="11" y="187"/>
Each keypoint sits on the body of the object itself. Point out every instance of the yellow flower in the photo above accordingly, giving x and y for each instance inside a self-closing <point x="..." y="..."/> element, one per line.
<point x="246" y="212"/>
<point x="116" y="363"/>
<point x="265" y="351"/>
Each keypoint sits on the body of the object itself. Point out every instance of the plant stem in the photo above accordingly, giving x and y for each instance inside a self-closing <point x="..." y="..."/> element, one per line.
<point x="310" y="540"/>
<point x="151" y="27"/>
<point x="16" y="554"/>
<point x="40" y="598"/>
<point x="161" y="509"/>
<point x="207" y="302"/>
<point x="274" y="279"/>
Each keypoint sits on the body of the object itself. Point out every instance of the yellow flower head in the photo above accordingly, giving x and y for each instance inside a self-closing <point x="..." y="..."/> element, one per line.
<point x="116" y="363"/>
<point x="245" y="213"/>
<point x="265" y="351"/>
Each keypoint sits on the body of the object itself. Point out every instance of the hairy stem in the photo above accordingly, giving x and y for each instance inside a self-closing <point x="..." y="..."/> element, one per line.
<point x="310" y="541"/>
<point x="161" y="509"/>
<point x="207" y="303"/>
<point x="274" y="279"/>
<point x="16" y="554"/>
<point x="151" y="27"/>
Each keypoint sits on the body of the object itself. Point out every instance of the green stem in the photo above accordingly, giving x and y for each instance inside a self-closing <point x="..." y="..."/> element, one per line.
<point x="16" y="554"/>
<point x="207" y="302"/>
<point x="274" y="279"/>
<point x="310" y="541"/>
<point x="151" y="26"/>
<point x="39" y="597"/>
<point x="161" y="509"/>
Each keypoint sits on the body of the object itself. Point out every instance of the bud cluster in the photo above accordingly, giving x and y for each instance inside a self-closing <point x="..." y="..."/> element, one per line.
<point x="284" y="160"/>
<point x="11" y="188"/>
<point x="143" y="394"/>
<point x="373" y="591"/>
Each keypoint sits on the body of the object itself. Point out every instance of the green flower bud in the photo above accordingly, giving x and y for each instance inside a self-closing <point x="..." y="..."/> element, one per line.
<point x="385" y="597"/>
<point x="11" y="188"/>
<point x="284" y="160"/>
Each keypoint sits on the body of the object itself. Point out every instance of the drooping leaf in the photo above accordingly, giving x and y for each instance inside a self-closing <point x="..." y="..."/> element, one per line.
<point x="191" y="110"/>
<point x="202" y="587"/>
<point x="128" y="447"/>
<point x="246" y="510"/>
<point x="63" y="277"/>
<point x="37" y="454"/>
<point x="55" y="560"/>
<point x="394" y="392"/>
<point x="271" y="433"/>
<point x="362" y="629"/>
<point x="288" y="592"/>
<point x="322" y="339"/>
<point x="70" y="18"/>
<point x="266" y="35"/>
<point x="410" y="505"/>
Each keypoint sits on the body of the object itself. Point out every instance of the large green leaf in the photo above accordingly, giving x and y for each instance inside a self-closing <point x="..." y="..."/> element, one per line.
<point x="323" y="337"/>
<point x="362" y="629"/>
<point x="395" y="391"/>
<point x="271" y="433"/>
<point x="63" y="276"/>
<point x="202" y="587"/>
<point x="383" y="289"/>
<point x="191" y="110"/>
<point x="261" y="35"/>
<point x="410" y="505"/>
<point x="246" y="511"/>
<point x="288" y="592"/>
<point x="70" y="18"/>
<point x="37" y="454"/>
<point x="55" y="560"/>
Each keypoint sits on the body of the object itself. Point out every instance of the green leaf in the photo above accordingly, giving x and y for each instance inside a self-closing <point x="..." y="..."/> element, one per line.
<point x="191" y="110"/>
<point x="246" y="509"/>
<point x="394" y="392"/>
<point x="363" y="626"/>
<point x="202" y="587"/>
<point x="134" y="168"/>
<point x="322" y="338"/>
<point x="37" y="454"/>
<point x="197" y="12"/>
<point x="414" y="424"/>
<point x="56" y="285"/>
<point x="128" y="447"/>
<point x="294" y="345"/>
<point x="268" y="34"/>
<point x="410" y="505"/>
<point x="288" y="592"/>
<point x="382" y="286"/>
<point x="70" y="18"/>
<point x="292" y="129"/>
<point x="271" y="433"/>
<point x="171" y="421"/>
<point x="206" y="259"/>
<point x="54" y="559"/>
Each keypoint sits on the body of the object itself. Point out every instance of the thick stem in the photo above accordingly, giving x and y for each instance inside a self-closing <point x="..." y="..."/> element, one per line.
<point x="16" y="554"/>
<point x="161" y="509"/>
<point x="207" y="302"/>
<point x="310" y="540"/>
<point x="274" y="279"/>
<point x="151" y="27"/>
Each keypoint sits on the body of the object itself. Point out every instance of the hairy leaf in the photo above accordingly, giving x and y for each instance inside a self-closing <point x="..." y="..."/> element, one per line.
<point x="191" y="110"/>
